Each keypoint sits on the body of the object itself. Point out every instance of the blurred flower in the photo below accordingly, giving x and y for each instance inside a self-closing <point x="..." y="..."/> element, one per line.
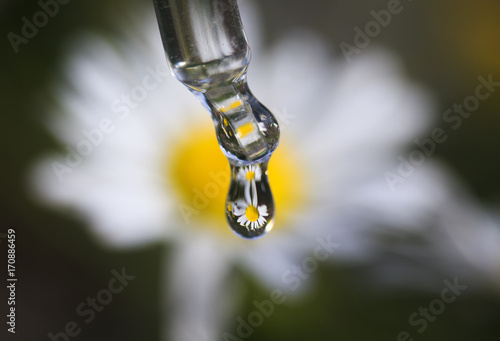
<point x="142" y="163"/>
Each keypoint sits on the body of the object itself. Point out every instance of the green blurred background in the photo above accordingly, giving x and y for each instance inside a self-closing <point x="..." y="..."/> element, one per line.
<point x="445" y="45"/>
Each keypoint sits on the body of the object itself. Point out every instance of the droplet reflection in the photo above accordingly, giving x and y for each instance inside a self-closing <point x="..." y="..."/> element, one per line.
<point x="250" y="205"/>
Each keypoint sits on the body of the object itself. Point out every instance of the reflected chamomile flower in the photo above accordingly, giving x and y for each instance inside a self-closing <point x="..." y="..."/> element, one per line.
<point x="249" y="214"/>
<point x="251" y="210"/>
<point x="249" y="176"/>
<point x="250" y="173"/>
<point x="248" y="211"/>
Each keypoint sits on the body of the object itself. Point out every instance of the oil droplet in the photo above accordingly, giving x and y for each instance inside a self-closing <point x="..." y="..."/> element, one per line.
<point x="250" y="205"/>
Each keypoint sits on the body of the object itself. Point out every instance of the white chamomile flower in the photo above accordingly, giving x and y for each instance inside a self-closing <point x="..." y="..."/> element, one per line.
<point x="250" y="173"/>
<point x="142" y="163"/>
<point x="249" y="176"/>
<point x="250" y="215"/>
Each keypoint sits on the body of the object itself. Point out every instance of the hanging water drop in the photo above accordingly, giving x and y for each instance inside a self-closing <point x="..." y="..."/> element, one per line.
<point x="250" y="205"/>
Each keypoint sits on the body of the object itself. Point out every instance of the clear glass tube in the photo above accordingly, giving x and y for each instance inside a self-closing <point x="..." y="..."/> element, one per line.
<point x="204" y="41"/>
<point x="207" y="51"/>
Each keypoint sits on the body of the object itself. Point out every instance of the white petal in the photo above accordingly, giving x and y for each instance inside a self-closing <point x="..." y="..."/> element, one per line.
<point x="258" y="173"/>
<point x="122" y="213"/>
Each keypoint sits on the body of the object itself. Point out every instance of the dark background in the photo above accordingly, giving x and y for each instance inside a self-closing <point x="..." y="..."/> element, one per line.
<point x="445" y="45"/>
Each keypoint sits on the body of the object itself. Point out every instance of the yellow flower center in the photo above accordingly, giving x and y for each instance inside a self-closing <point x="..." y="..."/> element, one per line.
<point x="199" y="174"/>
<point x="250" y="175"/>
<point x="252" y="213"/>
